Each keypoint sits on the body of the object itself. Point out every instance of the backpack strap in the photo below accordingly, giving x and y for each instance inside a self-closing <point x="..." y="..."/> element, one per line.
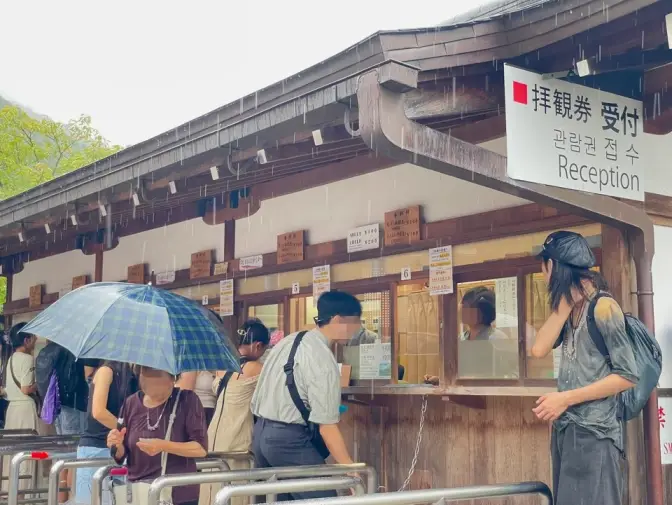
<point x="593" y="330"/>
<point x="291" y="382"/>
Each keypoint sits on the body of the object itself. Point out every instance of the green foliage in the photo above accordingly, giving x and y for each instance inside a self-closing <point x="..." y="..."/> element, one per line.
<point x="34" y="150"/>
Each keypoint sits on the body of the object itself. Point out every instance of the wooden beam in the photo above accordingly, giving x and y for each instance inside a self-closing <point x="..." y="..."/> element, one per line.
<point x="229" y="240"/>
<point x="98" y="270"/>
<point x="658" y="100"/>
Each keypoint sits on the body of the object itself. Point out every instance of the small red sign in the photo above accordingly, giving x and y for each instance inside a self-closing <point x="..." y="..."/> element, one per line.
<point x="520" y="92"/>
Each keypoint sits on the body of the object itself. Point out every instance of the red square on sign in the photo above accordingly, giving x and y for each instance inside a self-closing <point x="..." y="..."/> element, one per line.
<point x="520" y="92"/>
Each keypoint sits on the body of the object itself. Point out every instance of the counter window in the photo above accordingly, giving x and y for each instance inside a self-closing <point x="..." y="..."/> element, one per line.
<point x="417" y="326"/>
<point x="270" y="315"/>
<point x="488" y="329"/>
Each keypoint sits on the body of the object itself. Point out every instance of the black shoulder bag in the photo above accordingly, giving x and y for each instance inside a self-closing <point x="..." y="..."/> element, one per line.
<point x="312" y="428"/>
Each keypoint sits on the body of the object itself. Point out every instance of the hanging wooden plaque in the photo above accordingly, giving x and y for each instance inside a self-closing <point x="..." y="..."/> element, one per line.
<point x="35" y="297"/>
<point x="291" y="247"/>
<point x="79" y="281"/>
<point x="201" y="265"/>
<point x="136" y="274"/>
<point x="402" y="226"/>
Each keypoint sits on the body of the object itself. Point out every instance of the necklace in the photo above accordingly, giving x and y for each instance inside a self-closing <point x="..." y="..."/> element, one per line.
<point x="153" y="427"/>
<point x="569" y="344"/>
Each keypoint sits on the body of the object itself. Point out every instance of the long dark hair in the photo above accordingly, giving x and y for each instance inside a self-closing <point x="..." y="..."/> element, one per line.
<point x="564" y="278"/>
<point x="127" y="380"/>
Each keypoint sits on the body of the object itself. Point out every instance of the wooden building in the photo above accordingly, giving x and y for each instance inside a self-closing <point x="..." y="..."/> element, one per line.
<point x="406" y="131"/>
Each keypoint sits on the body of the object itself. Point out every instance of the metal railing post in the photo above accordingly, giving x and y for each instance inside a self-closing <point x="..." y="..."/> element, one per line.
<point x="15" y="467"/>
<point x="434" y="495"/>
<point x="97" y="482"/>
<point x="64" y="464"/>
<point x="289" y="486"/>
<point x="210" y="463"/>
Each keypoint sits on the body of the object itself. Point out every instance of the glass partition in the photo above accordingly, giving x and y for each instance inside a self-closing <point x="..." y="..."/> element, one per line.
<point x="488" y="329"/>
<point x="270" y="315"/>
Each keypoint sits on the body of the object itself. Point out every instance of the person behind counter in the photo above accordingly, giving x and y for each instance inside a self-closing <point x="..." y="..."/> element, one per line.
<point x="587" y="437"/>
<point x="289" y="432"/>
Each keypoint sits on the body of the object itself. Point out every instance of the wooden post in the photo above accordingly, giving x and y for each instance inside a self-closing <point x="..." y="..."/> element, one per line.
<point x="229" y="240"/>
<point x="98" y="271"/>
<point x="617" y="270"/>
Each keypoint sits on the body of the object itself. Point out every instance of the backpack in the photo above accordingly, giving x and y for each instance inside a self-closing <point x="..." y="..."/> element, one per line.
<point x="45" y="364"/>
<point x="648" y="356"/>
<point x="51" y="405"/>
<point x="70" y="377"/>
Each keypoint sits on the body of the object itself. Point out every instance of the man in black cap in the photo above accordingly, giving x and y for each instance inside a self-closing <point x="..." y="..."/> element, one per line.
<point x="298" y="395"/>
<point x="587" y="440"/>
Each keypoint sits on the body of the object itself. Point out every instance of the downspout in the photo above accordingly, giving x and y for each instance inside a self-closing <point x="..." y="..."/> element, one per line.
<point x="388" y="132"/>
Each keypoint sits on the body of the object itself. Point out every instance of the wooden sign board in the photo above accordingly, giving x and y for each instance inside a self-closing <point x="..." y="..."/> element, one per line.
<point x="221" y="268"/>
<point x="291" y="247"/>
<point x="136" y="274"/>
<point x="402" y="226"/>
<point x="35" y="297"/>
<point x="79" y="281"/>
<point x="201" y="265"/>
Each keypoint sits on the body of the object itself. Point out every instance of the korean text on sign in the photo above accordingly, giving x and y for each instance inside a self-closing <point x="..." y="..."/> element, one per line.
<point x="568" y="135"/>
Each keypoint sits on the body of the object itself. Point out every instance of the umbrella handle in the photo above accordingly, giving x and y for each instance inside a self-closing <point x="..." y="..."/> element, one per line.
<point x="113" y="449"/>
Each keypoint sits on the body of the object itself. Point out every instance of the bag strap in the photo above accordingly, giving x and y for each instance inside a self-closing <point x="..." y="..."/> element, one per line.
<point x="11" y="371"/>
<point x="291" y="382"/>
<point x="594" y="332"/>
<point x="171" y="421"/>
<point x="223" y="383"/>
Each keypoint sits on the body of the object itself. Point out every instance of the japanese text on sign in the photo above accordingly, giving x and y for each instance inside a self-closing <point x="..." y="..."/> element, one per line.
<point x="402" y="226"/>
<point x="251" y="262"/>
<point x="321" y="281"/>
<point x="290" y="247"/>
<point x="572" y="136"/>
<point x="226" y="297"/>
<point x="364" y="238"/>
<point x="441" y="270"/>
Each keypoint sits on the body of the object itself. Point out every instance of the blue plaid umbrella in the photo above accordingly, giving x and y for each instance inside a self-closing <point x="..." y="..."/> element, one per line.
<point x="135" y="323"/>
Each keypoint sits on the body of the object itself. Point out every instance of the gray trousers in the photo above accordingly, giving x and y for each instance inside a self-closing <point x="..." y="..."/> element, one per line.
<point x="279" y="444"/>
<point x="586" y="470"/>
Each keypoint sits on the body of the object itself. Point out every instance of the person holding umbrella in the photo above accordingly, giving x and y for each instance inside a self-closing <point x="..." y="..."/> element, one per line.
<point x="161" y="428"/>
<point x="158" y="437"/>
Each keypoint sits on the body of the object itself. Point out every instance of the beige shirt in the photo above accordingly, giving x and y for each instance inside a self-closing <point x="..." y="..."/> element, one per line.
<point x="23" y="366"/>
<point x="317" y="378"/>
<point x="203" y="389"/>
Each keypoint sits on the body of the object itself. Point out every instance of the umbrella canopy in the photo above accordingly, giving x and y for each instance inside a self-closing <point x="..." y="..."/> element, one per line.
<point x="140" y="324"/>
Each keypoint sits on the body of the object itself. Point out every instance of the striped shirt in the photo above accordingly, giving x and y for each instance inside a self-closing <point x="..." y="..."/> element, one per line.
<point x="317" y="378"/>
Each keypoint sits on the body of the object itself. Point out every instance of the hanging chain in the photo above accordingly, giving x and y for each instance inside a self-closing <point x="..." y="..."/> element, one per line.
<point x="411" y="471"/>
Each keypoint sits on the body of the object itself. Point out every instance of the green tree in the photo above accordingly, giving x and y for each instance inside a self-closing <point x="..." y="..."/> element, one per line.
<point x="34" y="150"/>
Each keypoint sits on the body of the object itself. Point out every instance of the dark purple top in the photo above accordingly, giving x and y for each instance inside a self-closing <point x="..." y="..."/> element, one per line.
<point x="189" y="426"/>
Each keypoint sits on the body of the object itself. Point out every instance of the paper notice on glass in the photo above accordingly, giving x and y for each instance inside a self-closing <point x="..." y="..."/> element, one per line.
<point x="441" y="270"/>
<point x="226" y="297"/>
<point x="375" y="361"/>
<point x="321" y="281"/>
<point x="506" y="293"/>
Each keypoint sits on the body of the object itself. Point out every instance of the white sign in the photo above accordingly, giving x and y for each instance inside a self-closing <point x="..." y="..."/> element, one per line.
<point x="406" y="274"/>
<point x="506" y="295"/>
<point x="375" y="361"/>
<point x="251" y="262"/>
<point x="321" y="281"/>
<point x="662" y="301"/>
<point x="296" y="288"/>
<point x="205" y="300"/>
<point x="665" y="420"/>
<point x="226" y="297"/>
<point x="441" y="270"/>
<point x="575" y="137"/>
<point x="165" y="278"/>
<point x="364" y="238"/>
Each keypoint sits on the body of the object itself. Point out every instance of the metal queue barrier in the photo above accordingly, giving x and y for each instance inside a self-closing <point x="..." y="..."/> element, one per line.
<point x="225" y="495"/>
<point x="13" y="445"/>
<point x="262" y="474"/>
<point x="14" y="433"/>
<point x="65" y="464"/>
<point x="213" y="461"/>
<point x="14" y="470"/>
<point x="437" y="496"/>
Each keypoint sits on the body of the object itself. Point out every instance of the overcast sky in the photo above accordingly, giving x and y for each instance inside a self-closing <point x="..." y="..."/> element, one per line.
<point x="141" y="67"/>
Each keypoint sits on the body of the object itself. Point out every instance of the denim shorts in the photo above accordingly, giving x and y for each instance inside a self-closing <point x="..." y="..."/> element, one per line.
<point x="85" y="476"/>
<point x="70" y="421"/>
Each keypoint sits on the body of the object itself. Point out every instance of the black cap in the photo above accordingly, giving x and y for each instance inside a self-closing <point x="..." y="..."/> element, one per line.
<point x="569" y="248"/>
